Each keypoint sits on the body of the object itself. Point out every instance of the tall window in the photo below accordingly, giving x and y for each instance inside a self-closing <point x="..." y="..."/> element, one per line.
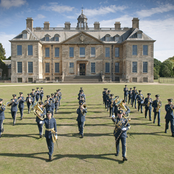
<point x="92" y="67"/>
<point x="139" y="35"/>
<point x="71" y="52"/>
<point x="92" y="51"/>
<point x="117" y="67"/>
<point x="47" y="67"/>
<point x="134" y="67"/>
<point x="30" y="67"/>
<point x="56" y="38"/>
<point x="107" y="38"/>
<point x="82" y="51"/>
<point x="56" y="67"/>
<point x="116" y="52"/>
<point x="134" y="49"/>
<point x="19" y="67"/>
<point x="116" y="38"/>
<point x="19" y="50"/>
<point x="47" y="52"/>
<point x="145" y="67"/>
<point x="47" y="38"/>
<point x="57" y="52"/>
<point x="71" y="67"/>
<point x="30" y="50"/>
<point x="107" y="52"/>
<point x="24" y="36"/>
<point x="145" y="49"/>
<point x="107" y="67"/>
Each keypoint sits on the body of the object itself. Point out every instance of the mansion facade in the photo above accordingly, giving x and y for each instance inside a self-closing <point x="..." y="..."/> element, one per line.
<point x="56" y="54"/>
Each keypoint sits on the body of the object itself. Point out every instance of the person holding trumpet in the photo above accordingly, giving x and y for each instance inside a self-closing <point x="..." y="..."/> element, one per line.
<point x="14" y="109"/>
<point x="21" y="104"/>
<point x="29" y="102"/>
<point x="2" y="117"/>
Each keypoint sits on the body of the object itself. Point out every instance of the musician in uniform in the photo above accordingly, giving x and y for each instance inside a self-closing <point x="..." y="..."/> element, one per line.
<point x="29" y="101"/>
<point x="169" y="116"/>
<point x="125" y="93"/>
<point x="48" y="104"/>
<point x="81" y="90"/>
<point x="140" y="99"/>
<point x="52" y="99"/>
<point x="116" y="107"/>
<point x="60" y="95"/>
<point x="107" y="99"/>
<point x="56" y="101"/>
<point x="2" y="116"/>
<point x="104" y="96"/>
<point x="37" y="93"/>
<point x="81" y="111"/>
<point x="111" y="105"/>
<point x="120" y="132"/>
<point x="21" y="104"/>
<point x="130" y="96"/>
<point x="41" y="94"/>
<point x="82" y="95"/>
<point x="14" y="108"/>
<point x="40" y="117"/>
<point x="134" y="96"/>
<point x="156" y="108"/>
<point x="33" y="95"/>
<point x="148" y="105"/>
<point x="50" y="133"/>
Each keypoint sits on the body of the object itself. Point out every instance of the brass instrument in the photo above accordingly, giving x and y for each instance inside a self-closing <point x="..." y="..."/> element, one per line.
<point x="84" y="105"/>
<point x="37" y="113"/>
<point x="172" y="107"/>
<point x="2" y="106"/>
<point x="149" y="101"/>
<point x="44" y="105"/>
<point x="158" y="106"/>
<point x="9" y="103"/>
<point x="37" y="110"/>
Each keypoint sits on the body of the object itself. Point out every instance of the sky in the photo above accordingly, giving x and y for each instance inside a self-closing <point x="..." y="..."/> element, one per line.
<point x="156" y="18"/>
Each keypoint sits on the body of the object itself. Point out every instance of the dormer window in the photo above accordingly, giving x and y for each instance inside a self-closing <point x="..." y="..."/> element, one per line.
<point x="139" y="34"/>
<point x="24" y="34"/>
<point x="117" y="38"/>
<point x="56" y="37"/>
<point x="47" y="37"/>
<point x="107" y="37"/>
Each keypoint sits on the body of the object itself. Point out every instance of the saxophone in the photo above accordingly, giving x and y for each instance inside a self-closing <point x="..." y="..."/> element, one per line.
<point x="158" y="106"/>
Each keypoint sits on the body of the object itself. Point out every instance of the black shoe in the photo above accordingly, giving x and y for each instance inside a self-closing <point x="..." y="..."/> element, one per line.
<point x="21" y="118"/>
<point x="0" y="135"/>
<point x="165" y="131"/>
<point x="150" y="120"/>
<point x="153" y="122"/>
<point x="141" y="112"/>
<point x="124" y="159"/>
<point x="2" y="130"/>
<point x="40" y="136"/>
<point x="116" y="154"/>
<point x="172" y="135"/>
<point x="81" y="136"/>
<point x="159" y="125"/>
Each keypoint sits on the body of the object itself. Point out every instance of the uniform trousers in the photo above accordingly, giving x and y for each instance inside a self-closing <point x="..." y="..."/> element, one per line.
<point x="40" y="127"/>
<point x="123" y="142"/>
<point x="81" y="126"/>
<point x="171" y="125"/>
<point x="157" y="113"/>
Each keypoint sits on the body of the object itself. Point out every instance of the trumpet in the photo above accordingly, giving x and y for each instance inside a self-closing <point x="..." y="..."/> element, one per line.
<point x="44" y="105"/>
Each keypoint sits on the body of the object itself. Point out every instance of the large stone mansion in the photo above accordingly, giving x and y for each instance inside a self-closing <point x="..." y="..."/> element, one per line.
<point x="68" y="53"/>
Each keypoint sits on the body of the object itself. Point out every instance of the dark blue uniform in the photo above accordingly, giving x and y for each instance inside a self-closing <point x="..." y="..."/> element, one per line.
<point x="169" y="118"/>
<point x="52" y="105"/>
<point x="111" y="105"/>
<point x="140" y="99"/>
<point x="60" y="96"/>
<point x="120" y="134"/>
<point x="81" y="119"/>
<point x="14" y="110"/>
<point x="107" y="100"/>
<point x="2" y="117"/>
<point x="130" y="97"/>
<point x="37" y="95"/>
<point x="41" y="94"/>
<point x="21" y="106"/>
<point x="104" y="98"/>
<point x="33" y="96"/>
<point x="125" y="93"/>
<point x="48" y="106"/>
<point x="28" y="99"/>
<point x="82" y="95"/>
<point x="148" y="108"/>
<point x="134" y="96"/>
<point x="56" y="103"/>
<point x="154" y="105"/>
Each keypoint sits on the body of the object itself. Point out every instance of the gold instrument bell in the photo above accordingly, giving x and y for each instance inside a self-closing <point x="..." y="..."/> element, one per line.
<point x="37" y="107"/>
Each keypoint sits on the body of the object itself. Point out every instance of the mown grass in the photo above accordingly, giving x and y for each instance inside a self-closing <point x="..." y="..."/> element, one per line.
<point x="149" y="149"/>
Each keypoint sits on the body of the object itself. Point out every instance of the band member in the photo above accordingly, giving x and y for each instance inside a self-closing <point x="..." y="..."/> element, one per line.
<point x="50" y="133"/>
<point x="157" y="105"/>
<point x="48" y="104"/>
<point x="111" y="105"/>
<point x="14" y="108"/>
<point x="81" y="90"/>
<point x="40" y="117"/>
<point x="37" y="93"/>
<point x="130" y="96"/>
<point x="134" y="96"/>
<point x="169" y="116"/>
<point x="21" y="104"/>
<point x="52" y="99"/>
<point x="148" y="105"/>
<point x="41" y="94"/>
<point x="56" y="102"/>
<point x="107" y="99"/>
<point x="125" y="93"/>
<point x="104" y="96"/>
<point x="33" y="96"/>
<point x="81" y="111"/>
<point x="140" y="99"/>
<point x="120" y="132"/>
<point x="60" y="95"/>
<point x="116" y="107"/>
<point x="82" y="95"/>
<point x="29" y="102"/>
<point x="2" y="117"/>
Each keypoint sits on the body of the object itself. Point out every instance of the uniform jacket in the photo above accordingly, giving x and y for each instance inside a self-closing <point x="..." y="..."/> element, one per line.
<point x="81" y="115"/>
<point x="104" y="95"/>
<point x="41" y="93"/>
<point x="52" y="103"/>
<point x="33" y="95"/>
<point x="81" y="96"/>
<point x="27" y="99"/>
<point x="21" y="102"/>
<point x="42" y="115"/>
<point x="48" y="106"/>
<point x="140" y="98"/>
<point x="134" y="94"/>
<point x="125" y="91"/>
<point x="56" y="98"/>
<point x="130" y="94"/>
<point x="14" y="106"/>
<point x="111" y="103"/>
<point x="2" y="109"/>
<point x="169" y="112"/>
<point x="37" y="94"/>
<point x="60" y="95"/>
<point x="154" y="105"/>
<point x="146" y="102"/>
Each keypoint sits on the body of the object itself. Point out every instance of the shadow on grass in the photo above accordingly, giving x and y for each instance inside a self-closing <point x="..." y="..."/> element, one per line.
<point x="87" y="134"/>
<point x="150" y="133"/>
<point x="35" y="136"/>
<point x="65" y="112"/>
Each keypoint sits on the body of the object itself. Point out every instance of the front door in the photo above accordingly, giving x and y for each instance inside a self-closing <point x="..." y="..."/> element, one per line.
<point x="82" y="69"/>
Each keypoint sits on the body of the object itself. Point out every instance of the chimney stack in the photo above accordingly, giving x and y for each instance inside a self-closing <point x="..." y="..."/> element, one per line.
<point x="29" y="23"/>
<point x="67" y="25"/>
<point x="117" y="25"/>
<point x="135" y="23"/>
<point x="96" y="26"/>
<point x="46" y="25"/>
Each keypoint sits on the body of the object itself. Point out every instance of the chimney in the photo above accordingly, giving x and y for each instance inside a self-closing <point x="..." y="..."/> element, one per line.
<point x="117" y="25"/>
<point x="29" y="23"/>
<point x="46" y="25"/>
<point x="135" y="23"/>
<point x="96" y="26"/>
<point x="67" y="25"/>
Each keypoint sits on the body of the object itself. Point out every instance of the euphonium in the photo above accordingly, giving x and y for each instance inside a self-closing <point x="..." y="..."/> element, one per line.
<point x="37" y="107"/>
<point x="122" y="106"/>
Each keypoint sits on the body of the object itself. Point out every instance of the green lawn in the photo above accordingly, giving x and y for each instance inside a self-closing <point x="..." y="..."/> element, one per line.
<point x="149" y="149"/>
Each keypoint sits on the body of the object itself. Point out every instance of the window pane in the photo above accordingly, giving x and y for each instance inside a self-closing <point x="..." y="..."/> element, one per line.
<point x="145" y="67"/>
<point x="139" y="35"/>
<point x="47" y="67"/>
<point x="117" y="67"/>
<point x="56" y="52"/>
<point x="107" y="52"/>
<point x="134" y="50"/>
<point x="56" y="38"/>
<point x="71" y="52"/>
<point x="30" y="50"/>
<point x="56" y="67"/>
<point x="19" y="67"/>
<point x="134" y="67"/>
<point x="82" y="51"/>
<point x="93" y="51"/>
<point x="145" y="49"/>
<point x="107" y="38"/>
<point x="47" y="52"/>
<point x="19" y="50"/>
<point x="30" y="67"/>
<point x="107" y="67"/>
<point x="24" y="36"/>
<point x="117" y="52"/>
<point x="71" y="67"/>
<point x="93" y="67"/>
<point x="46" y="38"/>
<point x="116" y="38"/>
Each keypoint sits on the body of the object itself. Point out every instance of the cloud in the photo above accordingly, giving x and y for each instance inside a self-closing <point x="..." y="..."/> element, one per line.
<point x="103" y="10"/>
<point x="57" y="8"/>
<point x="12" y="3"/>
<point x="39" y="16"/>
<point x="157" y="10"/>
<point x="5" y="42"/>
<point x="105" y="2"/>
